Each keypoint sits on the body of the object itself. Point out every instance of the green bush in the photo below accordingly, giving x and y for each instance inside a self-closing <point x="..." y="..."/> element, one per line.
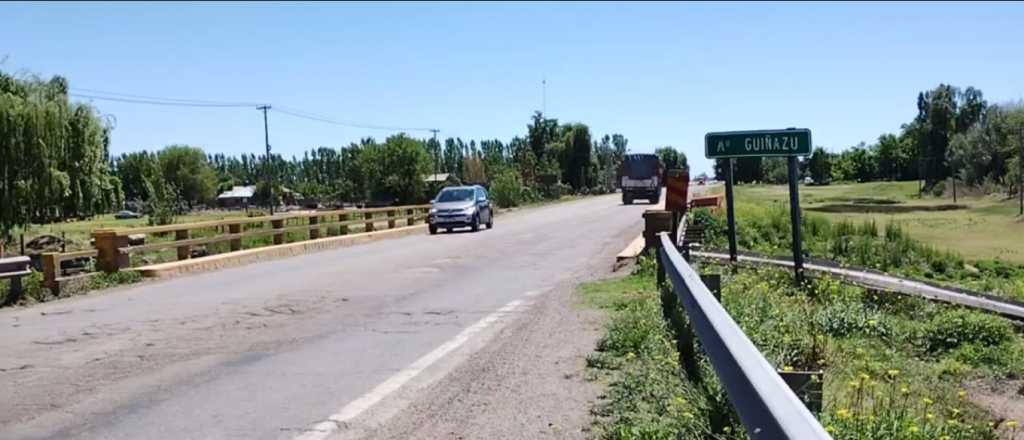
<point x="507" y="189"/>
<point x="949" y="330"/>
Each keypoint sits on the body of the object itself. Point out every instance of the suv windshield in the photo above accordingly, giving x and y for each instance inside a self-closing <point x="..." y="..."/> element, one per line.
<point x="455" y="195"/>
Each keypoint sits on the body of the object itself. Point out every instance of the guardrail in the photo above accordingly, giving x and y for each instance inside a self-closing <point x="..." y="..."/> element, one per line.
<point x="767" y="407"/>
<point x="113" y="248"/>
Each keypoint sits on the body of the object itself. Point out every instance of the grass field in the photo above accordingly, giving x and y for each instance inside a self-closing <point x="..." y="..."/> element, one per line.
<point x="978" y="227"/>
<point x="78" y="233"/>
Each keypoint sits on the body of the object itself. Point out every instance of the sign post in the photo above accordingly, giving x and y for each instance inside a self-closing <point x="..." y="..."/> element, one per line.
<point x="677" y="183"/>
<point x="794" y="218"/>
<point x="788" y="143"/>
<point x="730" y="214"/>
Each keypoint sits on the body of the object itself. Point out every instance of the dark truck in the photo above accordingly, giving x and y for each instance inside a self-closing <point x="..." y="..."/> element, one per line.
<point x="640" y="177"/>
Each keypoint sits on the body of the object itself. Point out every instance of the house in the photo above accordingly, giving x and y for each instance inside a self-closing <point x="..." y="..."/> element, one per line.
<point x="237" y="197"/>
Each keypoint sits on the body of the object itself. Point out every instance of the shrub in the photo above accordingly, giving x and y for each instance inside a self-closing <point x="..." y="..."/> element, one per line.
<point x="949" y="330"/>
<point x="507" y="189"/>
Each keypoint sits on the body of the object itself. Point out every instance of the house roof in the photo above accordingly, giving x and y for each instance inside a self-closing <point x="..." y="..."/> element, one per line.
<point x="238" y="192"/>
<point x="442" y="177"/>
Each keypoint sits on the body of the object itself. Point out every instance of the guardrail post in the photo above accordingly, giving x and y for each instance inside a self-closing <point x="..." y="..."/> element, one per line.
<point x="714" y="283"/>
<point x="314" y="233"/>
<point x="673" y="314"/>
<point x="391" y="219"/>
<point x="411" y="214"/>
<point x="655" y="221"/>
<point x="109" y="257"/>
<point x="184" y="252"/>
<point x="369" y="222"/>
<point x="278" y="236"/>
<point x="51" y="271"/>
<point x="343" y="229"/>
<point x="236" y="243"/>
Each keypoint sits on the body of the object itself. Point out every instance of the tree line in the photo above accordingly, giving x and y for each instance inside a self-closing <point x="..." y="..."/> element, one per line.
<point x="56" y="165"/>
<point x="956" y="134"/>
<point x="551" y="159"/>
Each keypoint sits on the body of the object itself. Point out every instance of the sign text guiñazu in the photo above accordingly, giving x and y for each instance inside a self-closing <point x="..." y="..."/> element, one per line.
<point x="756" y="143"/>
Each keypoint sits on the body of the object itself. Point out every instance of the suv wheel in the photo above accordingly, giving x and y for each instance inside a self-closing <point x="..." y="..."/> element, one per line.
<point x="627" y="200"/>
<point x="433" y="229"/>
<point x="476" y="223"/>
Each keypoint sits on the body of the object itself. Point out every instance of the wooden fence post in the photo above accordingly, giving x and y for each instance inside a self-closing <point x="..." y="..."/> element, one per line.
<point x="369" y="222"/>
<point x="314" y="233"/>
<point x="714" y="283"/>
<point x="343" y="229"/>
<point x="236" y="243"/>
<point x="411" y="213"/>
<point x="278" y="236"/>
<point x="51" y="271"/>
<point x="184" y="252"/>
<point x="391" y="219"/>
<point x="109" y="257"/>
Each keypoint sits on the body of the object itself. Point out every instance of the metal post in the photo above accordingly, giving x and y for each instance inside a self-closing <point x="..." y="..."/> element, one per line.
<point x="794" y="211"/>
<point x="729" y="211"/>
<point x="268" y="169"/>
<point x="22" y="245"/>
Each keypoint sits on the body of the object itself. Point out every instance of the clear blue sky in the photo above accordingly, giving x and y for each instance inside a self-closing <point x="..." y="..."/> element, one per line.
<point x="661" y="74"/>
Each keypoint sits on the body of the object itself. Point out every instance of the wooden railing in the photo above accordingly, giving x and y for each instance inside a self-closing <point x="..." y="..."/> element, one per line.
<point x="113" y="251"/>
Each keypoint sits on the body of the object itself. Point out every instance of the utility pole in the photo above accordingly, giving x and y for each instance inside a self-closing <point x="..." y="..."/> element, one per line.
<point x="1020" y="170"/>
<point x="267" y="169"/>
<point x="437" y="153"/>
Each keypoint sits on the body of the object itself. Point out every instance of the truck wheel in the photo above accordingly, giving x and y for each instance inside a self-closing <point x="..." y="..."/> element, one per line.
<point x="627" y="200"/>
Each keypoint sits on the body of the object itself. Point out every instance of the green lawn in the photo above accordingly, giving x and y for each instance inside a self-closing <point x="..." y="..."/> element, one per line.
<point x="978" y="227"/>
<point x="78" y="233"/>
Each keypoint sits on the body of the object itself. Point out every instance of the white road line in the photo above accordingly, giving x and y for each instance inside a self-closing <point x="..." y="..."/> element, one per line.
<point x="328" y="427"/>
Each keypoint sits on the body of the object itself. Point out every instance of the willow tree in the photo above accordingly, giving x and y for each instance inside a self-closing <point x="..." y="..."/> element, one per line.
<point x="54" y="160"/>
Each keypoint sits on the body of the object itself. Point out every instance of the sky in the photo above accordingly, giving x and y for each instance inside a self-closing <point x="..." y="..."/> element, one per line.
<point x="659" y="73"/>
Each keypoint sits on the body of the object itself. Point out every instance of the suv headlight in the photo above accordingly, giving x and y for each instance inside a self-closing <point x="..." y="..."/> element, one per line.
<point x="432" y="211"/>
<point x="469" y="211"/>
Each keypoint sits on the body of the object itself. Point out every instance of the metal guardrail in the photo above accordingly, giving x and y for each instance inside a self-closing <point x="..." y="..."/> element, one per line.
<point x="767" y="407"/>
<point x="892" y="283"/>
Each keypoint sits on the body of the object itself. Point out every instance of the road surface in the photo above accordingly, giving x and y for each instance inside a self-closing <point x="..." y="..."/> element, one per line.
<point x="456" y="336"/>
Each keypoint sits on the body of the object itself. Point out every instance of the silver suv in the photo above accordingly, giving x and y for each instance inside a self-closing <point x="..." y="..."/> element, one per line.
<point x="460" y="206"/>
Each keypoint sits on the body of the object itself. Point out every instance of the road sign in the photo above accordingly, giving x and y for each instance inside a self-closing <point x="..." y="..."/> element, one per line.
<point x="677" y="183"/>
<point x="758" y="143"/>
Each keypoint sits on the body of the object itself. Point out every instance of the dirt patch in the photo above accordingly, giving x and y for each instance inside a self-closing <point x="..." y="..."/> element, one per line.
<point x="1003" y="400"/>
<point x="874" y="208"/>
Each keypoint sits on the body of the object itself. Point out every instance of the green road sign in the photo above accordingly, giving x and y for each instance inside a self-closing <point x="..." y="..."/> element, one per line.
<point x="789" y="142"/>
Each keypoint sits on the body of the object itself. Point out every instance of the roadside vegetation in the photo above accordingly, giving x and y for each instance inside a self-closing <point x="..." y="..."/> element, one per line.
<point x="894" y="367"/>
<point x="886" y="245"/>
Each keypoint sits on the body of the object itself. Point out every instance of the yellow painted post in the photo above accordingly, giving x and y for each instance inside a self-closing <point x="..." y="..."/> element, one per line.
<point x="109" y="257"/>
<point x="279" y="236"/>
<point x="391" y="219"/>
<point x="51" y="270"/>
<point x="369" y="221"/>
<point x="184" y="252"/>
<point x="236" y="243"/>
<point x="315" y="232"/>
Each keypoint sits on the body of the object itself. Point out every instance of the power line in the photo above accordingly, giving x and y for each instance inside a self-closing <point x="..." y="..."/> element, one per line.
<point x="155" y="102"/>
<point x="179" y="102"/>
<point x="155" y="98"/>
<point x="324" y="119"/>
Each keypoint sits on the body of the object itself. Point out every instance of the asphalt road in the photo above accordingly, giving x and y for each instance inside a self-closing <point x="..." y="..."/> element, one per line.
<point x="343" y="343"/>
